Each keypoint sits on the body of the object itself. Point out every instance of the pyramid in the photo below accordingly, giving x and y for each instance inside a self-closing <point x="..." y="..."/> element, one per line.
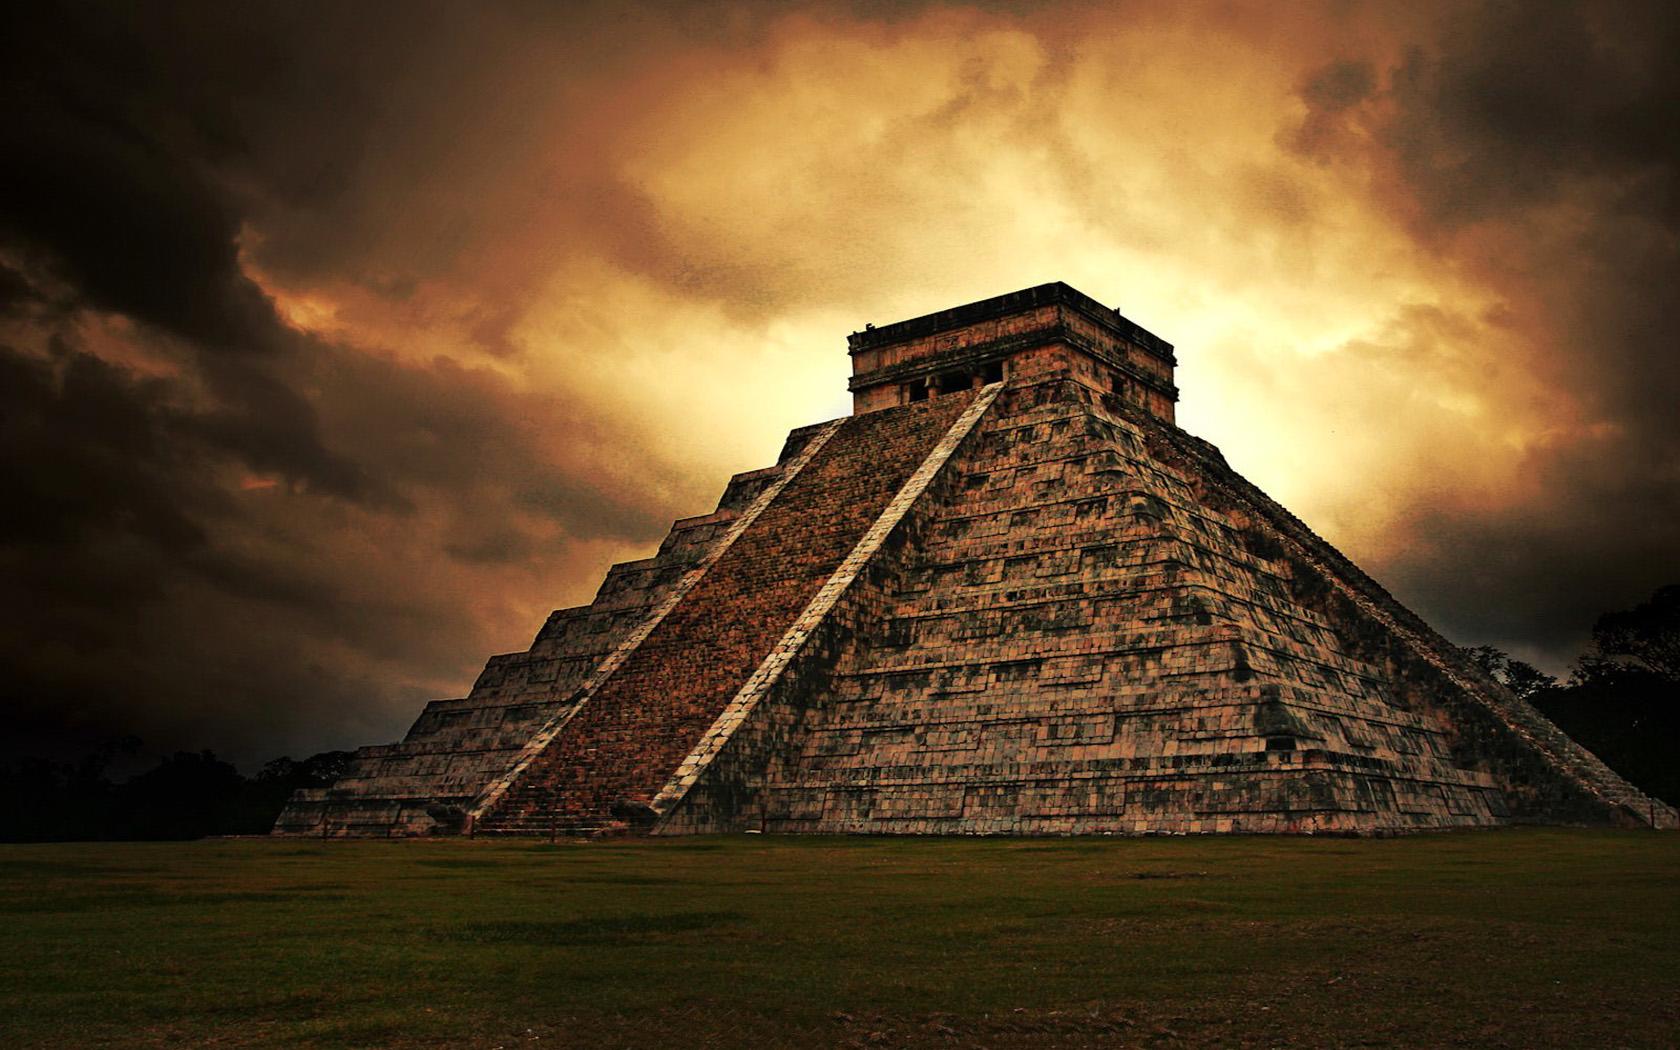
<point x="1007" y="595"/>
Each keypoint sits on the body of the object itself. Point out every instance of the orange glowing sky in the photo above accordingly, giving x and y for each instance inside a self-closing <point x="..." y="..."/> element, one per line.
<point x="364" y="340"/>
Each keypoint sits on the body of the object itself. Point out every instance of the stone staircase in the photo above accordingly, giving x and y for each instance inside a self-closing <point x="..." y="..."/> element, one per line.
<point x="624" y="741"/>
<point x="423" y="783"/>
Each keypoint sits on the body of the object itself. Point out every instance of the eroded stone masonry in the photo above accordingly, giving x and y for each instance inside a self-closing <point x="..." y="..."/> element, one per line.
<point x="1005" y="596"/>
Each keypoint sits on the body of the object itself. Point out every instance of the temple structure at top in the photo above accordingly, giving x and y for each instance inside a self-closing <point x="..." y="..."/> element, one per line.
<point x="1007" y="595"/>
<point x="1051" y="328"/>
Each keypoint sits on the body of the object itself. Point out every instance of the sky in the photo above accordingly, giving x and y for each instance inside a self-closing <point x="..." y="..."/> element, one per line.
<point x="340" y="343"/>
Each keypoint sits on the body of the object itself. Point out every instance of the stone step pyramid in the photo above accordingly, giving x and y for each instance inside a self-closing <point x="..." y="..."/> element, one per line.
<point x="1006" y="596"/>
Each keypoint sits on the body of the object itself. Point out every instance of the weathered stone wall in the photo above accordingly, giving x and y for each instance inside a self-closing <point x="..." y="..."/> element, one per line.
<point x="1544" y="776"/>
<point x="1076" y="645"/>
<point x="940" y="344"/>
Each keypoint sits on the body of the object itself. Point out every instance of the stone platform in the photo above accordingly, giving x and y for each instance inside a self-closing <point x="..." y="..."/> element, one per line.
<point x="1006" y="596"/>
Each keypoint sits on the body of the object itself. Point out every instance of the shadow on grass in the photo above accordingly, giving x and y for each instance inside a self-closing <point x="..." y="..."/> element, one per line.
<point x="125" y="899"/>
<point x="60" y="869"/>
<point x="606" y="931"/>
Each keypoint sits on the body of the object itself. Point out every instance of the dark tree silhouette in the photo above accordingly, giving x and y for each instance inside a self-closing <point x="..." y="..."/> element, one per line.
<point x="1621" y="700"/>
<point x="1526" y="680"/>
<point x="187" y="795"/>
<point x="1521" y="678"/>
<point x="1642" y="640"/>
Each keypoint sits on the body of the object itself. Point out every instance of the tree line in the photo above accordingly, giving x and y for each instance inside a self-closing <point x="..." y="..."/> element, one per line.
<point x="188" y="795"/>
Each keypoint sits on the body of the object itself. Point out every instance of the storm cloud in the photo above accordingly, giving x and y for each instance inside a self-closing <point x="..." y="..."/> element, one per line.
<point x="340" y="343"/>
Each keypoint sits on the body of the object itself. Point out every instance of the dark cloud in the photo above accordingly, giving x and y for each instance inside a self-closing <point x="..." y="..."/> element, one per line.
<point x="118" y="197"/>
<point x="218" y="529"/>
<point x="88" y="450"/>
<point x="1524" y="102"/>
<point x="1531" y="145"/>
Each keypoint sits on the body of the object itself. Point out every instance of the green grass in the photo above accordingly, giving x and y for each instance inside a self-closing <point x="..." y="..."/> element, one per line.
<point x="1515" y="938"/>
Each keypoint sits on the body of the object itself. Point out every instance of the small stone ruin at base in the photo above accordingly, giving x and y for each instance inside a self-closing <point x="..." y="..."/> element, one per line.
<point x="1006" y="596"/>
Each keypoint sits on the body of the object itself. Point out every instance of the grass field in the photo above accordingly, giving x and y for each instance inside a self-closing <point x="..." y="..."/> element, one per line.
<point x="1516" y="938"/>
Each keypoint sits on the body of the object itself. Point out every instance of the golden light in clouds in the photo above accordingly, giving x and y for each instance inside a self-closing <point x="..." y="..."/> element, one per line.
<point x="432" y="321"/>
<point x="841" y="171"/>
